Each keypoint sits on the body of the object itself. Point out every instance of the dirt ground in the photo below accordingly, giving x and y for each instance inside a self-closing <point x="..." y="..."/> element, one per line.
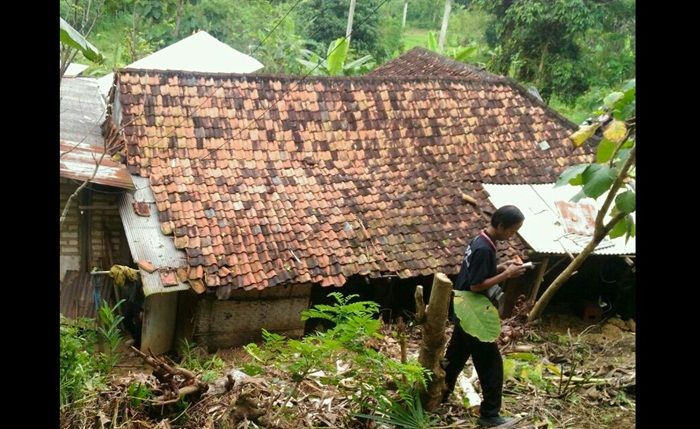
<point x="599" y="359"/>
<point x="608" y="352"/>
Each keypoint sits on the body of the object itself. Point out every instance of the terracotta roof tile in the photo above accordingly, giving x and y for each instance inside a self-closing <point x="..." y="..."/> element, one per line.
<point x="343" y="176"/>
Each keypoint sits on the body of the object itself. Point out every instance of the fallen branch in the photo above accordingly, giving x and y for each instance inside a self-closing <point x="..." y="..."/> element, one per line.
<point x="173" y="389"/>
<point x="160" y="364"/>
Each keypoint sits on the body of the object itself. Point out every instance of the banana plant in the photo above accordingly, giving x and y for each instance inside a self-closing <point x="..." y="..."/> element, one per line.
<point x="334" y="63"/>
<point x="73" y="39"/>
<point x="465" y="54"/>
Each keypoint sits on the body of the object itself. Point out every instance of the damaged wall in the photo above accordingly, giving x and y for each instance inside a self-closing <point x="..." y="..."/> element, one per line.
<point x="240" y="319"/>
<point x="101" y="224"/>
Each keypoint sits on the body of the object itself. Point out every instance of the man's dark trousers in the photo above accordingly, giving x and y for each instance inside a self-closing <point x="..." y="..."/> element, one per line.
<point x="487" y="361"/>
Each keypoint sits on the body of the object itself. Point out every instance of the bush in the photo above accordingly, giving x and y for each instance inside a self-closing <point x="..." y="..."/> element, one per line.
<point x="80" y="369"/>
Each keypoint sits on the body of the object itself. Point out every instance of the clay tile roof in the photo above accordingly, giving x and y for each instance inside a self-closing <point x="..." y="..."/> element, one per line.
<point x="283" y="181"/>
<point x="422" y="62"/>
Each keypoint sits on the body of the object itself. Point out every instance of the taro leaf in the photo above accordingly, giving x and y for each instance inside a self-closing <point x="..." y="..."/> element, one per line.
<point x="477" y="316"/>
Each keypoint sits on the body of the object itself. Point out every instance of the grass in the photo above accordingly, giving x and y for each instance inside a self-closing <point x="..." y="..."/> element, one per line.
<point x="413" y="37"/>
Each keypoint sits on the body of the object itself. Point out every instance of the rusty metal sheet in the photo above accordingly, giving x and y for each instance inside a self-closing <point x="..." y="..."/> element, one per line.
<point x="78" y="161"/>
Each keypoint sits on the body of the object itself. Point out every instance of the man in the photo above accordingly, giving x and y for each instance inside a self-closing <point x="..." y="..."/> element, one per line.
<point x="480" y="272"/>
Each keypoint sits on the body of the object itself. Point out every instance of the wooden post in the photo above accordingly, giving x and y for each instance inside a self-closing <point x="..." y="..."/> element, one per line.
<point x="538" y="280"/>
<point x="433" y="344"/>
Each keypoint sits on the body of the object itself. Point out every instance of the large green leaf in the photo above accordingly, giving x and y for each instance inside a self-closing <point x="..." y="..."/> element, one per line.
<point x="509" y="366"/>
<point x="626" y="202"/>
<point x="432" y="41"/>
<point x="630" y="85"/>
<point x="477" y="316"/>
<point x="613" y="98"/>
<point x="337" y="53"/>
<point x="357" y="63"/>
<point x="615" y="131"/>
<point x="571" y="175"/>
<point x="464" y="53"/>
<point x="629" y="95"/>
<point x="624" y="226"/>
<point x="597" y="179"/>
<point x="71" y="37"/>
<point x="579" y="195"/>
<point x="605" y="150"/>
<point x="583" y="133"/>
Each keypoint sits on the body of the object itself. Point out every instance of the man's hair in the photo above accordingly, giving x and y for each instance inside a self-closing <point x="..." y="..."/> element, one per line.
<point x="507" y="216"/>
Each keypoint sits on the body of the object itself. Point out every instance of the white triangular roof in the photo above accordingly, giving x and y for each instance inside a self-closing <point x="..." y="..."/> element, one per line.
<point x="199" y="52"/>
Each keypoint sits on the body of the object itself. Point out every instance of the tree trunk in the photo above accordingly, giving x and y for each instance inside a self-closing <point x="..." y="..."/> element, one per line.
<point x="433" y="344"/>
<point x="540" y="69"/>
<point x="443" y="28"/>
<point x="405" y="11"/>
<point x="561" y="279"/>
<point x="351" y="14"/>
<point x="178" y="17"/>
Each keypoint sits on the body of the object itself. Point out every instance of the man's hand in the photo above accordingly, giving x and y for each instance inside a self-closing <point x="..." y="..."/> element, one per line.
<point x="502" y="267"/>
<point x="514" y="270"/>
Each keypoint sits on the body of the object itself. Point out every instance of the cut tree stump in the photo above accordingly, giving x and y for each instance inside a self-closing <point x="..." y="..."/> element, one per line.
<point x="433" y="344"/>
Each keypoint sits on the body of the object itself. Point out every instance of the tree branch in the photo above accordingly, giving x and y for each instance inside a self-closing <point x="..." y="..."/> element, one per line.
<point x="613" y="190"/>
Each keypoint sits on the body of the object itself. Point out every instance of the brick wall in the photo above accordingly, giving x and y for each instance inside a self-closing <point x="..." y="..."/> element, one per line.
<point x="69" y="252"/>
<point x="109" y="220"/>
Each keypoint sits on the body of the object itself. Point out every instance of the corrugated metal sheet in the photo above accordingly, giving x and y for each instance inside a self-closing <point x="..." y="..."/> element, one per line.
<point x="553" y="224"/>
<point x="77" y="298"/>
<point x="82" y="111"/>
<point x="78" y="161"/>
<point x="147" y="242"/>
<point x="81" y="146"/>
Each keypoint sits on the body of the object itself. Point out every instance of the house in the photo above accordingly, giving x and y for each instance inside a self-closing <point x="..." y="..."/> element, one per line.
<point x="199" y="52"/>
<point x="544" y="236"/>
<point x="91" y="234"/>
<point x="273" y="188"/>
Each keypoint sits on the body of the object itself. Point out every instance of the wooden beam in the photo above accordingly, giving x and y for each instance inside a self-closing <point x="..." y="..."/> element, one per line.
<point x="538" y="280"/>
